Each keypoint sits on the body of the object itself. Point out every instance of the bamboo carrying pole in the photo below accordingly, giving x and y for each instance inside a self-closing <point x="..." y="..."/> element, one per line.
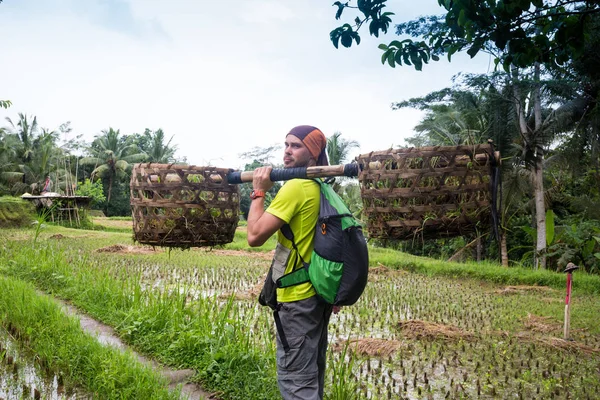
<point x="284" y="174"/>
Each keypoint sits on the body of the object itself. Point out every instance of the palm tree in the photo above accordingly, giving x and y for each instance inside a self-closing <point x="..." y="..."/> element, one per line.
<point x="26" y="130"/>
<point x="158" y="151"/>
<point x="111" y="157"/>
<point x="9" y="168"/>
<point x="338" y="149"/>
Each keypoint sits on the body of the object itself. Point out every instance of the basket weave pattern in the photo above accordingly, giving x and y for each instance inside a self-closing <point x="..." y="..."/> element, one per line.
<point x="183" y="206"/>
<point x="426" y="192"/>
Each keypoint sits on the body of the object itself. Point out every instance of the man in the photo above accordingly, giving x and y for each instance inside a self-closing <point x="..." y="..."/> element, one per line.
<point x="302" y="333"/>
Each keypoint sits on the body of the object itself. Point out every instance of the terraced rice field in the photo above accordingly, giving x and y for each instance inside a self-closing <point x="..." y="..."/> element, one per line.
<point x="409" y="336"/>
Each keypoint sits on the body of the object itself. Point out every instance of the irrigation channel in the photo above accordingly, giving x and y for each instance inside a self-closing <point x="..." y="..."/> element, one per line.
<point x="20" y="378"/>
<point x="410" y="336"/>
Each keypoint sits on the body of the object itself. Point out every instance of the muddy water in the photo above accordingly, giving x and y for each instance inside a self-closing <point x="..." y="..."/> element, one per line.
<point x="21" y="379"/>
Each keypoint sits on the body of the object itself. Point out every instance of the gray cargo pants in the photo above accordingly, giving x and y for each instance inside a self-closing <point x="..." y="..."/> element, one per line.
<point x="301" y="370"/>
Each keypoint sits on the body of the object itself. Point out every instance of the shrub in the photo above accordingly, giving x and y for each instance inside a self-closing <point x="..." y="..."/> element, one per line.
<point x="15" y="212"/>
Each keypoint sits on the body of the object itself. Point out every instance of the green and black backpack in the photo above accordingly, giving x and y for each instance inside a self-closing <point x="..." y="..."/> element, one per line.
<point x="339" y="265"/>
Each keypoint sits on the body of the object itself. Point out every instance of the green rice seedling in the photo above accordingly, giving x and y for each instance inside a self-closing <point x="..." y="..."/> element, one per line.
<point x="342" y="368"/>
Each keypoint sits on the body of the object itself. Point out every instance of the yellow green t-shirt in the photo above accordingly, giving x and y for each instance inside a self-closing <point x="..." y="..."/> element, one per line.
<point x="297" y="203"/>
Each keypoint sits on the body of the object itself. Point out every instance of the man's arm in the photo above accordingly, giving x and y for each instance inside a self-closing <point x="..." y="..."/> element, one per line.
<point x="261" y="225"/>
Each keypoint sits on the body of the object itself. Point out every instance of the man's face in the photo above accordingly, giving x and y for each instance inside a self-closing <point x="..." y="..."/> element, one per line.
<point x="296" y="154"/>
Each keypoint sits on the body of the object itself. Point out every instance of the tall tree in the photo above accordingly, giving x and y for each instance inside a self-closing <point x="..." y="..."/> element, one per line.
<point x="26" y="130"/>
<point x="9" y="166"/>
<point x="338" y="148"/>
<point x="153" y="144"/>
<point x="111" y="156"/>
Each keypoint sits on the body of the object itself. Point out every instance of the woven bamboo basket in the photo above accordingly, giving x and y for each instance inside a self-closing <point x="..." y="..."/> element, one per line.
<point x="428" y="192"/>
<point x="183" y="206"/>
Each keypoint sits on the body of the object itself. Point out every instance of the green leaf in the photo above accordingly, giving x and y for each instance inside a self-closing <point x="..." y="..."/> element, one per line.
<point x="340" y="9"/>
<point x="418" y="64"/>
<point x="435" y="57"/>
<point x="597" y="255"/>
<point x="384" y="46"/>
<point x="396" y="43"/>
<point x="549" y="227"/>
<point x="474" y="50"/>
<point x="374" y="28"/>
<point x="390" y="59"/>
<point x="532" y="233"/>
<point x="398" y="57"/>
<point x="462" y="17"/>
<point x="588" y="248"/>
<point x="384" y="56"/>
<point x="406" y="58"/>
<point x="334" y="35"/>
<point x="346" y="37"/>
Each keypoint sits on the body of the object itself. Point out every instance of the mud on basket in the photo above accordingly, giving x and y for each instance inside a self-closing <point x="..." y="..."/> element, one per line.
<point x="428" y="192"/>
<point x="183" y="206"/>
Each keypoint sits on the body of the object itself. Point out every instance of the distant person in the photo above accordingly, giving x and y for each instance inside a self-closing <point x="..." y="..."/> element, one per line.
<point x="47" y="185"/>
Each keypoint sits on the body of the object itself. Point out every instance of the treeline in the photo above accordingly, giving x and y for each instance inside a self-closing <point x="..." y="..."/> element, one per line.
<point x="101" y="169"/>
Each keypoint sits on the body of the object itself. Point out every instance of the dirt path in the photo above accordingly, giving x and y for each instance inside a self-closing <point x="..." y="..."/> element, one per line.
<point x="106" y="335"/>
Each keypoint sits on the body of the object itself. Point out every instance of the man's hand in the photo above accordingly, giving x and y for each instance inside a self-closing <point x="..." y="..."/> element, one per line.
<point x="261" y="179"/>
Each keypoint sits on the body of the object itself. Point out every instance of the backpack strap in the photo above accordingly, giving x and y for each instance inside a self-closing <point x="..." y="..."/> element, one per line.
<point x="298" y="275"/>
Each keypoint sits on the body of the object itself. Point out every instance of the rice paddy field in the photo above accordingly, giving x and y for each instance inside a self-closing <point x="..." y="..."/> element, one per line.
<point x="423" y="329"/>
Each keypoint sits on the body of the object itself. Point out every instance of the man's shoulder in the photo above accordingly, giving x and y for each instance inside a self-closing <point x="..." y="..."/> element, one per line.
<point x="300" y="184"/>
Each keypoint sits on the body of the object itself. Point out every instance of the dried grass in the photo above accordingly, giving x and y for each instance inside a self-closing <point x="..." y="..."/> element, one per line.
<point x="417" y="329"/>
<point x="522" y="289"/>
<point x="568" y="345"/>
<point x="539" y="324"/>
<point x="554" y="342"/>
<point x="370" y="346"/>
<point x="126" y="249"/>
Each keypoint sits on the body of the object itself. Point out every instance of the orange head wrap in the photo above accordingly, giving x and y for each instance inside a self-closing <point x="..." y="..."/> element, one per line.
<point x="314" y="140"/>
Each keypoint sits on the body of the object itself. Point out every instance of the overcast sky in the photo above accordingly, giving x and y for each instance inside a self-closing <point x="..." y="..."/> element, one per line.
<point x="222" y="77"/>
